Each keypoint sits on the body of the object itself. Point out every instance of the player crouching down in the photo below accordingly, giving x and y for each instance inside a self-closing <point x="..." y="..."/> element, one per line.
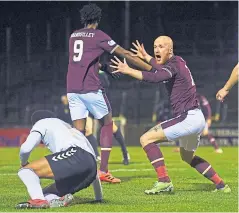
<point x="72" y="164"/>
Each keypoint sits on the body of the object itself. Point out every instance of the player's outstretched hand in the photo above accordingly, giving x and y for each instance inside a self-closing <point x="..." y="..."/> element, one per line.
<point x="139" y="50"/>
<point x="221" y="94"/>
<point x="120" y="66"/>
<point x="108" y="71"/>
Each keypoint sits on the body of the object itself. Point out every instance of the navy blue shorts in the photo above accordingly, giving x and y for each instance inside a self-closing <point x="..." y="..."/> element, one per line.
<point x="74" y="169"/>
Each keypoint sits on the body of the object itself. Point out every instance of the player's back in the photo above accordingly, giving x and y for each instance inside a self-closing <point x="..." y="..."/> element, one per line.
<point x="59" y="136"/>
<point x="85" y="48"/>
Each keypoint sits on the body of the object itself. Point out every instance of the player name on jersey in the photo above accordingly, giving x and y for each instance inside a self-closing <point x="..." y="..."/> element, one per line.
<point x="82" y="34"/>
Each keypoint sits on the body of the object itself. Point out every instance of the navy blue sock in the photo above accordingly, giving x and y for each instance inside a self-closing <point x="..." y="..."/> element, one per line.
<point x="91" y="138"/>
<point x="120" y="139"/>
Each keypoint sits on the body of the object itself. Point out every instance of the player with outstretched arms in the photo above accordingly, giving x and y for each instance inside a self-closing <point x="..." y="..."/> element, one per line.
<point x="84" y="91"/>
<point x="188" y="121"/>
<point x="72" y="163"/>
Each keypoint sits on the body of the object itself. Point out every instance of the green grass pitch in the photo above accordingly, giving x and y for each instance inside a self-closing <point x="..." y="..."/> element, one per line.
<point x="192" y="191"/>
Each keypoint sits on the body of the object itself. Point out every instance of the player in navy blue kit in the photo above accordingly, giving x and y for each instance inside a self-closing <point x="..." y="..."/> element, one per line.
<point x="72" y="164"/>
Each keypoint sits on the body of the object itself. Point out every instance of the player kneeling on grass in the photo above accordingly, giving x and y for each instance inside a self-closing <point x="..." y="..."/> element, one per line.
<point x="72" y="164"/>
<point x="188" y="122"/>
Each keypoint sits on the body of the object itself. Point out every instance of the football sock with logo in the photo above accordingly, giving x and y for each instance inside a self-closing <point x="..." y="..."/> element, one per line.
<point x="91" y="138"/>
<point x="120" y="139"/>
<point x="156" y="158"/>
<point x="32" y="182"/>
<point x="212" y="141"/>
<point x="206" y="169"/>
<point x="106" y="138"/>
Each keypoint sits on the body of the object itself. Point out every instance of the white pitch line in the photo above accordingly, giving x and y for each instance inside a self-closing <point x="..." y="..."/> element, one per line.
<point x="113" y="170"/>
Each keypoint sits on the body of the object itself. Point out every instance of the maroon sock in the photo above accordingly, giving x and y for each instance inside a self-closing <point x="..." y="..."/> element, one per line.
<point x="155" y="156"/>
<point x="106" y="139"/>
<point x="206" y="169"/>
<point x="212" y="141"/>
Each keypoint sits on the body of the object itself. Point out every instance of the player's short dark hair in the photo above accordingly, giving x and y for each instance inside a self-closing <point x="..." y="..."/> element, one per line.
<point x="90" y="14"/>
<point x="41" y="114"/>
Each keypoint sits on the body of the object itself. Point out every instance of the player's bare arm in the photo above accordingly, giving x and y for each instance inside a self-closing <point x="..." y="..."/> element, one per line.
<point x="222" y="93"/>
<point x="32" y="141"/>
<point x="120" y="51"/>
<point x="233" y="78"/>
<point x="125" y="69"/>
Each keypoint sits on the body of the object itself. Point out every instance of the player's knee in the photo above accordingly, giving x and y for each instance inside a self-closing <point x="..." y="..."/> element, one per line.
<point x="80" y="125"/>
<point x="144" y="140"/>
<point x="106" y="120"/>
<point x="186" y="158"/>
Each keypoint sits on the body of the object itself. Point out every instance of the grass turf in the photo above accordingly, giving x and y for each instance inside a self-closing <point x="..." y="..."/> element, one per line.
<point x="192" y="190"/>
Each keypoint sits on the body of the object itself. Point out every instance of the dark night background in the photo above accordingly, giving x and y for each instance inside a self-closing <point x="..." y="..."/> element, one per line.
<point x="143" y="17"/>
<point x="205" y="34"/>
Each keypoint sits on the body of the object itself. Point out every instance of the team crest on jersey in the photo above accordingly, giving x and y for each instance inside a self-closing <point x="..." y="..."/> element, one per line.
<point x="111" y="42"/>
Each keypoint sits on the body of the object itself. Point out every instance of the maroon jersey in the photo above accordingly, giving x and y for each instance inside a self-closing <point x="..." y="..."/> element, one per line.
<point x="205" y="106"/>
<point x="85" y="48"/>
<point x="179" y="83"/>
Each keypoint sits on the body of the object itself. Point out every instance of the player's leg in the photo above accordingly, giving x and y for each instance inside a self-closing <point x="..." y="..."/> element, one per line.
<point x="120" y="139"/>
<point x="186" y="124"/>
<point x="30" y="176"/>
<point x="89" y="135"/>
<point x="80" y="124"/>
<point x="189" y="143"/>
<point x="82" y="170"/>
<point x="78" y="111"/>
<point x="155" y="156"/>
<point x="52" y="195"/>
<point x="188" y="146"/>
<point x="106" y="140"/>
<point x="99" y="106"/>
<point x="206" y="132"/>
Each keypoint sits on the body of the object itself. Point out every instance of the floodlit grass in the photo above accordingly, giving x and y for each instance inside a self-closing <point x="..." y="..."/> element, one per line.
<point x="192" y="191"/>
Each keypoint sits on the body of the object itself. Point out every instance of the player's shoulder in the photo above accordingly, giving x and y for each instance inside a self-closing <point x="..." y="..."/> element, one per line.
<point x="178" y="63"/>
<point x="179" y="59"/>
<point x="100" y="32"/>
<point x="102" y="35"/>
<point x="172" y="63"/>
